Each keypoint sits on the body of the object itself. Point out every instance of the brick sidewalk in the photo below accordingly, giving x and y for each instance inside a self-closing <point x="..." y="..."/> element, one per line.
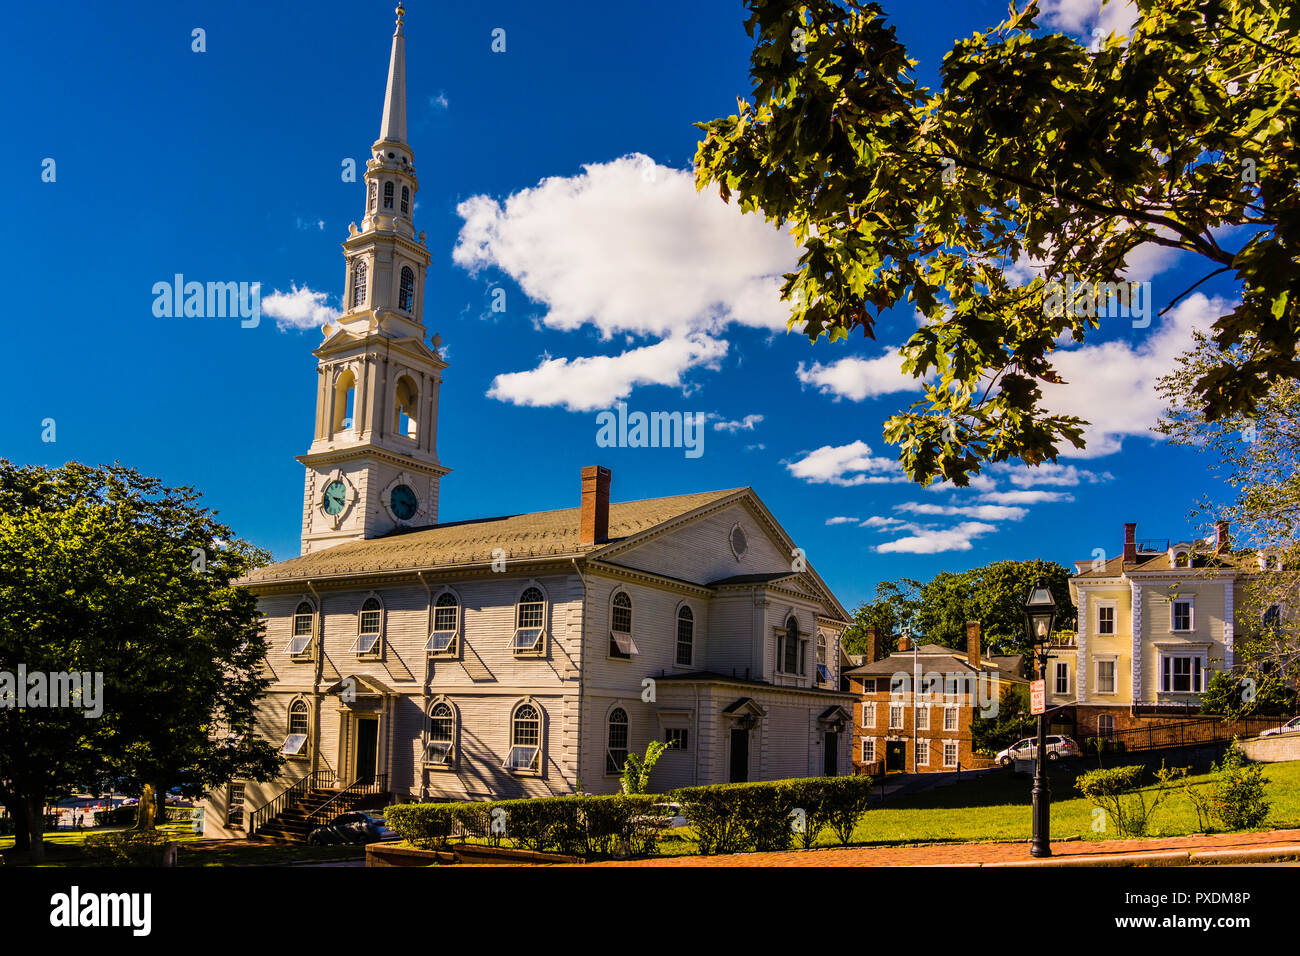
<point x="974" y="854"/>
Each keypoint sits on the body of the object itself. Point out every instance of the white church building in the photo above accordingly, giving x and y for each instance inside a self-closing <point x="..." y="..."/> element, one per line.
<point x="521" y="655"/>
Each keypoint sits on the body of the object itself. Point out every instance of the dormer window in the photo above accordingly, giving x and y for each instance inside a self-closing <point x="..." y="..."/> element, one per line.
<point x="1182" y="559"/>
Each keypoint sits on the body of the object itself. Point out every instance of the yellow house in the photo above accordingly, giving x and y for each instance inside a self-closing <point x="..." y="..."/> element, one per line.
<point x="1155" y="621"/>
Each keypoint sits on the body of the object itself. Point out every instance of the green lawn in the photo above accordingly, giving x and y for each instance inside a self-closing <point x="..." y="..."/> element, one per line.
<point x="67" y="848"/>
<point x="996" y="807"/>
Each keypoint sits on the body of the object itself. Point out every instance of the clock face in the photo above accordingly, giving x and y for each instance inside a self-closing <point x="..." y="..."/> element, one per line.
<point x="403" y="502"/>
<point x="335" y="497"/>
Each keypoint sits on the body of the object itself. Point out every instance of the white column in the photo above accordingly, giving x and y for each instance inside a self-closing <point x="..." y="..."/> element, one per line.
<point x="1229" y="628"/>
<point x="1136" y="591"/>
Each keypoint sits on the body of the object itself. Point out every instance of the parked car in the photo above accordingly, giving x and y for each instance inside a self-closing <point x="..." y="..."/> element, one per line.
<point x="1292" y="726"/>
<point x="354" y="827"/>
<point x="1026" y="749"/>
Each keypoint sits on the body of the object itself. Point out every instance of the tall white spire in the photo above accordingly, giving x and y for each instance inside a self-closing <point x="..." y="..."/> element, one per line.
<point x="393" y="127"/>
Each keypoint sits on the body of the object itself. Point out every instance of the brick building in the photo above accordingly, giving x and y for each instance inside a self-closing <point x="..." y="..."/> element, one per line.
<point x="915" y="706"/>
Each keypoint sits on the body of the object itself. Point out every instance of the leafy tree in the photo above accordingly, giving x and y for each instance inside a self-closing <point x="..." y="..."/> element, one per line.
<point x="1232" y="696"/>
<point x="893" y="609"/>
<point x="1012" y="722"/>
<point x="1258" y="457"/>
<point x="1033" y="149"/>
<point x="104" y="570"/>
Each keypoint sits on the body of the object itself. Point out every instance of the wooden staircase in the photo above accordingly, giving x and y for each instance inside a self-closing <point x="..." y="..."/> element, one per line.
<point x="304" y="807"/>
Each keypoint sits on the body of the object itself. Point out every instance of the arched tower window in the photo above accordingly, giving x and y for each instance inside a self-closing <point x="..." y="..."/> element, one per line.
<point x="373" y="196"/>
<point x="406" y="412"/>
<point x="359" y="284"/>
<point x="406" y="292"/>
<point x="406" y="201"/>
<point x="388" y="195"/>
<point x="345" y="388"/>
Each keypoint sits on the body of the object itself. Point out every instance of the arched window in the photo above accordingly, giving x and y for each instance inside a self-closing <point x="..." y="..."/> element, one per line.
<point x="296" y="740"/>
<point x="525" y="739"/>
<point x="1273" y="619"/>
<point x="530" y="615"/>
<point x="370" y="627"/>
<point x="1182" y="559"/>
<point x="374" y="195"/>
<point x="621" y="644"/>
<point x="685" y="636"/>
<point x="345" y="387"/>
<point x="446" y="619"/>
<point x="823" y="669"/>
<point x="359" y="284"/>
<point x="388" y="195"/>
<point x="406" y="201"/>
<point x="792" y="651"/>
<point x="406" y="292"/>
<point x="442" y="734"/>
<point x="616" y="752"/>
<point x="405" y="412"/>
<point x="304" y="619"/>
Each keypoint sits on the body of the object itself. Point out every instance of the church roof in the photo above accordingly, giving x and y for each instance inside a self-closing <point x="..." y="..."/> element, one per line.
<point x="542" y="534"/>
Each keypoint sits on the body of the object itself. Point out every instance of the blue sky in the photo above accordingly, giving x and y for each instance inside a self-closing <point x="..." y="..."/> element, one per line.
<point x="556" y="171"/>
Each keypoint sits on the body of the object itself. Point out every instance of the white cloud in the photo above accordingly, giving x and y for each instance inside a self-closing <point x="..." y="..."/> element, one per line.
<point x="745" y="424"/>
<point x="840" y="520"/>
<point x="1025" y="497"/>
<point x="440" y="102"/>
<point x="1050" y="473"/>
<point x="1113" y="385"/>
<point x="1081" y="17"/>
<point x="978" y="482"/>
<point x="630" y="246"/>
<point x="847" y="465"/>
<point x="299" y="308"/>
<point x="937" y="540"/>
<point x="858" y="378"/>
<point x="983" y="512"/>
<point x="881" y="523"/>
<point x="586" y="384"/>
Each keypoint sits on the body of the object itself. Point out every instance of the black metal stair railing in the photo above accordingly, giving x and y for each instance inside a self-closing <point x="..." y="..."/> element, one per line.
<point x="316" y="780"/>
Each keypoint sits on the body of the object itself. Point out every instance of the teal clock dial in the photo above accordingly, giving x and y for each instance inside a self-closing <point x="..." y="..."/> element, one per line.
<point x="335" y="497"/>
<point x="403" y="502"/>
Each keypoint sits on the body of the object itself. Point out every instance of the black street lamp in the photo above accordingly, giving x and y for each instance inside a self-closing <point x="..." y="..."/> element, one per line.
<point x="1040" y="616"/>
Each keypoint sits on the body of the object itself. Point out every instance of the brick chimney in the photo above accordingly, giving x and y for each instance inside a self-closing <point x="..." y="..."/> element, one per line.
<point x="1222" y="542"/>
<point x="904" y="643"/>
<point x="973" y="643"/>
<point x="873" y="644"/>
<point x="593" y="526"/>
<point x="1130" y="542"/>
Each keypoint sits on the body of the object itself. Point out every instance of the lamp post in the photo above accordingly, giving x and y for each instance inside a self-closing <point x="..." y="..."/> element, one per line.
<point x="1040" y="616"/>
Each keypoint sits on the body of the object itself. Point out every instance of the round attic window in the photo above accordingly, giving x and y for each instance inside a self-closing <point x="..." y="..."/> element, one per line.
<point x="739" y="543"/>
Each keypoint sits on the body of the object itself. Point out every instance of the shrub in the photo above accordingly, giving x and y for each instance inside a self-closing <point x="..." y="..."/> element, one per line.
<point x="127" y="848"/>
<point x="1119" y="792"/>
<point x="126" y="816"/>
<point x="1197" y="795"/>
<point x="1237" y="791"/>
<point x="426" y="825"/>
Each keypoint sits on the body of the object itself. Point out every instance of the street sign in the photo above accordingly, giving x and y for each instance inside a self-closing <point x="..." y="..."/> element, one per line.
<point x="1038" y="697"/>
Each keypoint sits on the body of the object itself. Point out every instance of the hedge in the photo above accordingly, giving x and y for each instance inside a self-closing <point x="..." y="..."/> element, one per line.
<point x="727" y="818"/>
<point x="588" y="826"/>
<point x="126" y="816"/>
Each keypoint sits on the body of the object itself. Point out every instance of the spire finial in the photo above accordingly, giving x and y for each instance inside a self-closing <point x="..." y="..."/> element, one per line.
<point x="401" y="12"/>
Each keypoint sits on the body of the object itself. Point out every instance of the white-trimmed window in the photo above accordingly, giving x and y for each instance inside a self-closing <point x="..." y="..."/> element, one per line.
<point x="1182" y="614"/>
<point x="823" y="671"/>
<point x="406" y="200"/>
<point x="923" y="753"/>
<point x="369" y="627"/>
<point x="440" y="749"/>
<point x="621" y="644"/>
<point x="898" y="685"/>
<point x="1106" y="617"/>
<point x="446" y="625"/>
<point x="895" y="716"/>
<point x="530" y="615"/>
<point x="616" y="742"/>
<point x="868" y="750"/>
<point x="868" y="685"/>
<point x="304" y="626"/>
<point x="374" y="195"/>
<point x="1182" y="559"/>
<point x="677" y="738"/>
<point x="950" y="717"/>
<point x="295" y="742"/>
<point x="791" y="655"/>
<point x="1106" y="726"/>
<point x="359" y="284"/>
<point x="1062" y="677"/>
<point x="950" y="753"/>
<point x="1182" y="673"/>
<point x="525" y="740"/>
<point x="923" y="718"/>
<point x="406" y="289"/>
<point x="868" y="715"/>
<point x="388" y="195"/>
<point x="685" y="636"/>
<point x="1106" y="671"/>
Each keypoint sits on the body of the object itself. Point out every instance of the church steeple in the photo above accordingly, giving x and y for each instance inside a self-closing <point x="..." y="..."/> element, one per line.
<point x="393" y="127"/>
<point x="373" y="464"/>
